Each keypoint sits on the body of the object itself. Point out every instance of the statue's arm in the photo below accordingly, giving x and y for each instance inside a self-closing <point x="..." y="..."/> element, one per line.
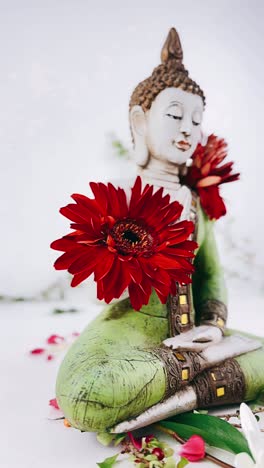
<point x="209" y="290"/>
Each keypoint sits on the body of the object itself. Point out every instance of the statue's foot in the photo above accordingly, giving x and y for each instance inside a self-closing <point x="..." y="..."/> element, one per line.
<point x="103" y="382"/>
<point x="221" y="384"/>
<point x="100" y="390"/>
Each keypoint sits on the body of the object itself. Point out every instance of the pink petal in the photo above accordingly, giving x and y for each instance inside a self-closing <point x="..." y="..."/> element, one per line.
<point x="37" y="351"/>
<point x="50" y="357"/>
<point x="193" y="449"/>
<point x="136" y="442"/>
<point x="53" y="402"/>
<point x="55" y="339"/>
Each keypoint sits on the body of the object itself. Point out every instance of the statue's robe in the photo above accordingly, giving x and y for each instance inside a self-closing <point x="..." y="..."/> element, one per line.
<point x="116" y="369"/>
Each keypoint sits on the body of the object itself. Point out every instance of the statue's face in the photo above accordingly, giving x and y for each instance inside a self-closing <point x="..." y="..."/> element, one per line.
<point x="171" y="128"/>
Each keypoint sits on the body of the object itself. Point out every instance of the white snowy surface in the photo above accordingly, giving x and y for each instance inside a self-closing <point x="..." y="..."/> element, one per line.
<point x="28" y="439"/>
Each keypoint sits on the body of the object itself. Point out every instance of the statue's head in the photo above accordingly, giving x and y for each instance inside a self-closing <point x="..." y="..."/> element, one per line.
<point x="166" y="110"/>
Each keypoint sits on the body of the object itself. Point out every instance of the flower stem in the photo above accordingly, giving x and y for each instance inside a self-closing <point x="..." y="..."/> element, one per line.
<point x="182" y="441"/>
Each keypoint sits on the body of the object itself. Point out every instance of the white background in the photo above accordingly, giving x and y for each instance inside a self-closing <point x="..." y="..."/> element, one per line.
<point x="67" y="70"/>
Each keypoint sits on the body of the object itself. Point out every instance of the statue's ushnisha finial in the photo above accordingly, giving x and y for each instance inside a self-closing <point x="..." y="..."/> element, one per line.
<point x="172" y="48"/>
<point x="170" y="73"/>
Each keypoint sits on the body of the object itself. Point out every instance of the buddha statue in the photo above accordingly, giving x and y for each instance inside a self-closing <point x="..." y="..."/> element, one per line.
<point x="131" y="368"/>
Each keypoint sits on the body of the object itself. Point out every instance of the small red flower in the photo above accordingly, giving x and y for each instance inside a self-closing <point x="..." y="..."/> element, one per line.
<point x="134" y="244"/>
<point x="205" y="175"/>
<point x="149" y="438"/>
<point x="194" y="449"/>
<point x="53" y="402"/>
<point x="55" y="339"/>
<point x="159" y="453"/>
<point x="37" y="351"/>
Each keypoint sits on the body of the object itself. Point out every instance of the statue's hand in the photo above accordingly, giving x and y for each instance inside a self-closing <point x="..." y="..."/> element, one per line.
<point x="196" y="339"/>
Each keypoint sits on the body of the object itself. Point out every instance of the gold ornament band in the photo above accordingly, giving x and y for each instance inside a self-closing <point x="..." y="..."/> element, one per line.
<point x="180" y="306"/>
<point x="181" y="367"/>
<point x="221" y="385"/>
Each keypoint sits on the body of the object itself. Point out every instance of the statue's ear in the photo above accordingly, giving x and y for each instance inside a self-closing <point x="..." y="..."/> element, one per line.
<point x="138" y="127"/>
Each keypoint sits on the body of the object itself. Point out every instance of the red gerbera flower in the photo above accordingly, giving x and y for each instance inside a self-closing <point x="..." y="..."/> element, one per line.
<point x="133" y="244"/>
<point x="205" y="175"/>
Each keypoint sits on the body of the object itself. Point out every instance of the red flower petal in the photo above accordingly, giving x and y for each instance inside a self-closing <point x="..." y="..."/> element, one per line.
<point x="206" y="173"/>
<point x="212" y="203"/>
<point x="53" y="402"/>
<point x="207" y="181"/>
<point x="80" y="277"/>
<point x="37" y="351"/>
<point x="100" y="195"/>
<point x="137" y="443"/>
<point x="66" y="260"/>
<point x="50" y="357"/>
<point x="194" y="449"/>
<point x="55" y="339"/>
<point x="131" y="245"/>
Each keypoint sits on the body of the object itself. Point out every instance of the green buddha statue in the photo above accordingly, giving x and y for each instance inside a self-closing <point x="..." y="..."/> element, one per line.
<point x="131" y="368"/>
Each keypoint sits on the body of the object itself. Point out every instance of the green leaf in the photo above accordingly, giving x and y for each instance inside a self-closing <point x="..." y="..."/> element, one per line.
<point x="105" y="438"/>
<point x="119" y="438"/>
<point x="108" y="462"/>
<point x="215" y="431"/>
<point x="182" y="463"/>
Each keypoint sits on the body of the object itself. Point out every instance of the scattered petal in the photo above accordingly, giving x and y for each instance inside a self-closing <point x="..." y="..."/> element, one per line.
<point x="37" y="351"/>
<point x="50" y="357"/>
<point x="194" y="449"/>
<point x="55" y="339"/>
<point x="53" y="402"/>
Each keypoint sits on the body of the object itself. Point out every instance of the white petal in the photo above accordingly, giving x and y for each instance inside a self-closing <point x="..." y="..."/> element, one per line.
<point x="243" y="460"/>
<point x="248" y="419"/>
<point x="251" y="430"/>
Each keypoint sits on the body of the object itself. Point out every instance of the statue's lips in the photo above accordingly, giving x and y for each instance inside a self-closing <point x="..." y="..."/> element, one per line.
<point x="183" y="145"/>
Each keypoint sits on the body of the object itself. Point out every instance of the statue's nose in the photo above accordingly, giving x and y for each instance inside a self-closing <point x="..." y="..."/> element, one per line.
<point x="186" y="125"/>
<point x="186" y="133"/>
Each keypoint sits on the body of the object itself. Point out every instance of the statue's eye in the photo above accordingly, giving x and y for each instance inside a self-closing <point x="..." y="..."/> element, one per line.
<point x="175" y="117"/>
<point x="195" y="123"/>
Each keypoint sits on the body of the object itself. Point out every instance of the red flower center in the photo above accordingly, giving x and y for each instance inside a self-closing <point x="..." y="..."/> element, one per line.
<point x="131" y="237"/>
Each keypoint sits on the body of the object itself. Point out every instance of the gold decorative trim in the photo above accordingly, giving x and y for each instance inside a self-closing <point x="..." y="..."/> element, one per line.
<point x="180" y="306"/>
<point x="221" y="385"/>
<point x="180" y="367"/>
